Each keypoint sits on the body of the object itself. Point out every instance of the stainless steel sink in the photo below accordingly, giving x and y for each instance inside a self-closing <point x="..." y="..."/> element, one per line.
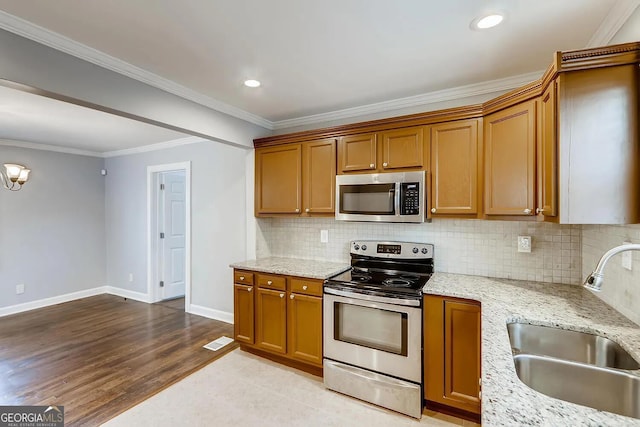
<point x="600" y="388"/>
<point x="569" y="345"/>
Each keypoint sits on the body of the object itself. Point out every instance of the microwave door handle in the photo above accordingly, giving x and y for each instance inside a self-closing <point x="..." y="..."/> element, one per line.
<point x="396" y="199"/>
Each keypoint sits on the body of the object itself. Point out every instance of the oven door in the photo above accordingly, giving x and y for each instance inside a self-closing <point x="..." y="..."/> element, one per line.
<point x="381" y="337"/>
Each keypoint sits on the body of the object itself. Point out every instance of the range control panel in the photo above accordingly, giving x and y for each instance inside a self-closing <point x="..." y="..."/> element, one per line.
<point x="405" y="250"/>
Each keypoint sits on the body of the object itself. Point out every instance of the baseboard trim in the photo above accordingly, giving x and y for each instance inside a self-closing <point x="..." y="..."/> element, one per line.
<point x="126" y="293"/>
<point x="211" y="313"/>
<point x="46" y="302"/>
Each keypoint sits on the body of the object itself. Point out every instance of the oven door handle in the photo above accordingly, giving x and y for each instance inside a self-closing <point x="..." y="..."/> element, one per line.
<point x="374" y="298"/>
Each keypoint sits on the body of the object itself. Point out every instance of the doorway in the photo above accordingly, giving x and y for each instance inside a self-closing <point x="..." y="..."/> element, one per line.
<point x="169" y="225"/>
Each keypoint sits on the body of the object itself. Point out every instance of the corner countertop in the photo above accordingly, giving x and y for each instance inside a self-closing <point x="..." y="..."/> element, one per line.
<point x="294" y="267"/>
<point x="506" y="401"/>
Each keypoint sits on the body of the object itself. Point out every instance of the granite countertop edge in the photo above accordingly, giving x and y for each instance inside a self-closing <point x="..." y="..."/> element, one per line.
<point x="312" y="269"/>
<point x="506" y="401"/>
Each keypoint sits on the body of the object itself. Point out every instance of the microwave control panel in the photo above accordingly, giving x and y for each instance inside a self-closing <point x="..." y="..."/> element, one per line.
<point x="409" y="198"/>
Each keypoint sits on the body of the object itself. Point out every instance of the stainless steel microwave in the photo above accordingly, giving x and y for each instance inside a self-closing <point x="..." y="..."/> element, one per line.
<point x="384" y="197"/>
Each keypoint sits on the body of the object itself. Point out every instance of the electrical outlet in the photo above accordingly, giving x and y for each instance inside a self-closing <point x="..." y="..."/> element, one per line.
<point x="524" y="243"/>
<point x="20" y="289"/>
<point x="324" y="236"/>
<point x="131" y="277"/>
<point x="627" y="260"/>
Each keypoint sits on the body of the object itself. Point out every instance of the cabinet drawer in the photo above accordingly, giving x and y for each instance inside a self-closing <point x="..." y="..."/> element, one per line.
<point x="272" y="282"/>
<point x="244" y="277"/>
<point x="306" y="286"/>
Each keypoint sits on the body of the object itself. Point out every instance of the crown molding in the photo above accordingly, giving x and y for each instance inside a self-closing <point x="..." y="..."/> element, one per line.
<point x="460" y="92"/>
<point x="64" y="44"/>
<point x="156" y="147"/>
<point x="615" y="19"/>
<point x="48" y="147"/>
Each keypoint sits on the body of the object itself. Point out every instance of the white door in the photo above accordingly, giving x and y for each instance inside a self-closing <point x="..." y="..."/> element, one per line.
<point x="172" y="225"/>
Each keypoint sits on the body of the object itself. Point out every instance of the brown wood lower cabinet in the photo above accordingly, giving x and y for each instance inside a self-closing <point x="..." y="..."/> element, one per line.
<point x="285" y="312"/>
<point x="452" y="352"/>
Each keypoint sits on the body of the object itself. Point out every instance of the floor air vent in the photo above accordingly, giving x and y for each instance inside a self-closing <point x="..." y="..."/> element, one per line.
<point x="216" y="345"/>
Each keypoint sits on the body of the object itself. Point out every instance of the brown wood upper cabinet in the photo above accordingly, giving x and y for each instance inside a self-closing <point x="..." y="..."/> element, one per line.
<point x="452" y="375"/>
<point x="384" y="151"/>
<point x="455" y="166"/>
<point x="296" y="179"/>
<point x="548" y="153"/>
<point x="510" y="144"/>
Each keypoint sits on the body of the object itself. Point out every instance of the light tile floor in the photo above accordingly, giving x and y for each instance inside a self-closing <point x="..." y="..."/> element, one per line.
<point x="241" y="389"/>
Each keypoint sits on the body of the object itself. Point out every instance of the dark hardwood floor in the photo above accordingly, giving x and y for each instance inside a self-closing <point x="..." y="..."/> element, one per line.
<point x="101" y="355"/>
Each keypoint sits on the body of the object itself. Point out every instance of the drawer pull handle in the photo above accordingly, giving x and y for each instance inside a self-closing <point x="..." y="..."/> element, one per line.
<point x="281" y="295"/>
<point x="304" y="288"/>
<point x="269" y="282"/>
<point x="241" y="277"/>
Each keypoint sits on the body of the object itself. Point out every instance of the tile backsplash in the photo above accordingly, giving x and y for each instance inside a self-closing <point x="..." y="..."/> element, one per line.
<point x="484" y="248"/>
<point x="621" y="287"/>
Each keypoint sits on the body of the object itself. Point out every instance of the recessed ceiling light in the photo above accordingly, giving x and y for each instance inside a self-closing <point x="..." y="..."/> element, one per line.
<point x="251" y="83"/>
<point x="488" y="21"/>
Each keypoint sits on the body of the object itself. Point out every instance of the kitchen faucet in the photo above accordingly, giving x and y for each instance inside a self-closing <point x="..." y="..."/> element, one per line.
<point x="593" y="281"/>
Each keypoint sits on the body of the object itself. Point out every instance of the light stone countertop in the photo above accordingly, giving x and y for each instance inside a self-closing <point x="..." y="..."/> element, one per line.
<point x="506" y="401"/>
<point x="294" y="267"/>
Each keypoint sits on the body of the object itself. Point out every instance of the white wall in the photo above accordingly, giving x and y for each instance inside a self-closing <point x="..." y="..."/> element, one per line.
<point x="219" y="218"/>
<point x="630" y="31"/>
<point x="52" y="231"/>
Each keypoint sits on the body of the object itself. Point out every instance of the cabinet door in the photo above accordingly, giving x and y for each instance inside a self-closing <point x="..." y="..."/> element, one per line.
<point x="547" y="153"/>
<point x="357" y="153"/>
<point x="305" y="328"/>
<point x="271" y="320"/>
<point x="454" y="167"/>
<point x="403" y="148"/>
<point x="319" y="176"/>
<point x="462" y="355"/>
<point x="243" y="305"/>
<point x="278" y="179"/>
<point x="509" y="137"/>
<point x="452" y="352"/>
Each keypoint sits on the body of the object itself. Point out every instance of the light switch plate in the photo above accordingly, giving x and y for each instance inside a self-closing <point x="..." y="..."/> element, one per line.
<point x="324" y="236"/>
<point x="524" y="244"/>
<point x="627" y="260"/>
<point x="20" y="289"/>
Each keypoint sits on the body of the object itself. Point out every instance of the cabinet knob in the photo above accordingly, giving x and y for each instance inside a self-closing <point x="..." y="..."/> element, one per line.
<point x="539" y="210"/>
<point x="291" y="296"/>
<point x="307" y="210"/>
<point x="269" y="282"/>
<point x="304" y="288"/>
<point x="281" y="295"/>
<point x="297" y="210"/>
<point x="249" y="289"/>
<point x="385" y="164"/>
<point x="527" y="211"/>
<point x="371" y="165"/>
<point x="241" y="277"/>
<point x="433" y="210"/>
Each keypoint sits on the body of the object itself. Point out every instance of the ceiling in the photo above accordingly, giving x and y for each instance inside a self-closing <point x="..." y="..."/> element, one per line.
<point x="318" y="58"/>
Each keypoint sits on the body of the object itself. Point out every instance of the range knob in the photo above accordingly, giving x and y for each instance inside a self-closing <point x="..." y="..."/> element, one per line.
<point x="364" y="247"/>
<point x="415" y="250"/>
<point x="424" y="250"/>
<point x="356" y="246"/>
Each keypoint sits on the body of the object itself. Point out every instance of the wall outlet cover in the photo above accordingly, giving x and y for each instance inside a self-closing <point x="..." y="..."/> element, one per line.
<point x="524" y="244"/>
<point x="20" y="289"/>
<point x="324" y="236"/>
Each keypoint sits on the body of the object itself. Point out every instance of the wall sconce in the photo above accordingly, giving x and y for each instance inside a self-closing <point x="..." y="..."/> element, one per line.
<point x="14" y="176"/>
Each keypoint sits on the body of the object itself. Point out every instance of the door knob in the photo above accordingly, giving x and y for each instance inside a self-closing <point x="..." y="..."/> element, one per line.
<point x="269" y="282"/>
<point x="291" y="296"/>
<point x="307" y="210"/>
<point x="527" y="211"/>
<point x="297" y="210"/>
<point x="385" y="164"/>
<point x="281" y="295"/>
<point x="304" y="288"/>
<point x="241" y="277"/>
<point x="371" y="165"/>
<point x="249" y="289"/>
<point x="433" y="210"/>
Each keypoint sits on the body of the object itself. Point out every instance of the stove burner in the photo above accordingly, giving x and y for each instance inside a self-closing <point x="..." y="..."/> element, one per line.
<point x="360" y="277"/>
<point x="397" y="282"/>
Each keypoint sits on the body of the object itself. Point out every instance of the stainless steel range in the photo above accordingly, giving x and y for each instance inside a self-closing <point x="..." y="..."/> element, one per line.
<point x="373" y="324"/>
